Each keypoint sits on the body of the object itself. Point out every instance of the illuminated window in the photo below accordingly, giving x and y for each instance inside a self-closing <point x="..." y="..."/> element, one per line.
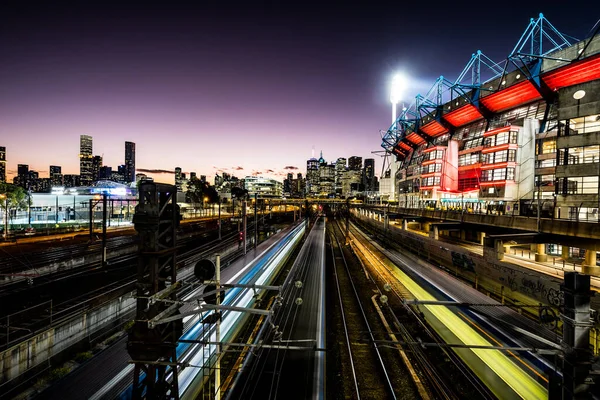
<point x="549" y="146"/>
<point x="582" y="125"/>
<point x="501" y="138"/>
<point x="468" y="159"/>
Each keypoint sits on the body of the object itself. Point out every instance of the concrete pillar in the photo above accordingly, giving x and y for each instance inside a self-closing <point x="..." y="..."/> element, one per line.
<point x="499" y="247"/>
<point x="434" y="232"/>
<point x="540" y="255"/>
<point x="533" y="247"/>
<point x="481" y="237"/>
<point x="565" y="253"/>
<point x="404" y="224"/>
<point x="463" y="234"/>
<point x="589" y="265"/>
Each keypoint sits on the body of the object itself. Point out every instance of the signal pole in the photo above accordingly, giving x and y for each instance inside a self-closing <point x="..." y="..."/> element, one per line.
<point x="245" y="222"/>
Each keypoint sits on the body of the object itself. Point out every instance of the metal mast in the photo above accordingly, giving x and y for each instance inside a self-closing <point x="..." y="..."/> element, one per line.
<point x="153" y="349"/>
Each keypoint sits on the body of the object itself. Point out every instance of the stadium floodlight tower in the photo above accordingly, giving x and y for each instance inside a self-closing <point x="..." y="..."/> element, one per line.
<point x="398" y="85"/>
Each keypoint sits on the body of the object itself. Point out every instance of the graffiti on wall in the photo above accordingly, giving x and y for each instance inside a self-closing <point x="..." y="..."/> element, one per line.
<point x="463" y="261"/>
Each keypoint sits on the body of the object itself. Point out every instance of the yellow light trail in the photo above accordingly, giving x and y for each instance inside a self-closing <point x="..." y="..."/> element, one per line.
<point x="522" y="383"/>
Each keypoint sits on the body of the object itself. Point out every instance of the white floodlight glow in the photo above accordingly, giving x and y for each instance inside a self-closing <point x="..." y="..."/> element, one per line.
<point x="398" y="86"/>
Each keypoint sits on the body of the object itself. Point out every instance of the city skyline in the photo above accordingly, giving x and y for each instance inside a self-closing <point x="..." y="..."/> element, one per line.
<point x="250" y="101"/>
<point x="164" y="175"/>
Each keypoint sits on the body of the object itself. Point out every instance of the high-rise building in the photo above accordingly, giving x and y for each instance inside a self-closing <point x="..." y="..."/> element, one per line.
<point x="327" y="180"/>
<point x="2" y="164"/>
<point x="56" y="178"/>
<point x="369" y="174"/>
<point x="71" y="181"/>
<point x="22" y="178"/>
<point x="193" y="176"/>
<point x="355" y="163"/>
<point x="105" y="172"/>
<point x="178" y="179"/>
<point x="129" y="162"/>
<point x="287" y="184"/>
<point x="119" y="174"/>
<point x="312" y="177"/>
<point x="298" y="188"/>
<point x="85" y="160"/>
<point x="96" y="165"/>
<point x="340" y="167"/>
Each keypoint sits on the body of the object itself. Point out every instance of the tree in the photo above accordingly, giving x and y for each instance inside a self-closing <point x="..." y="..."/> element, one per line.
<point x="238" y="193"/>
<point x="198" y="190"/>
<point x="16" y="196"/>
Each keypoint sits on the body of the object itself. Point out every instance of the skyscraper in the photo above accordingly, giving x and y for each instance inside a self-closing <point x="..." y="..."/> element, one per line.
<point x="85" y="160"/>
<point x="355" y="163"/>
<point x="178" y="179"/>
<point x="312" y="176"/>
<point x="369" y="174"/>
<point x="340" y="167"/>
<point x="2" y="164"/>
<point x="56" y="178"/>
<point x="22" y="177"/>
<point x="96" y="165"/>
<point x="129" y="162"/>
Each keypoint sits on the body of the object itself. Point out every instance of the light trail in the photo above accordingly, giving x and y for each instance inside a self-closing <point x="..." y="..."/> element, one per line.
<point x="522" y="383"/>
<point x="260" y="269"/>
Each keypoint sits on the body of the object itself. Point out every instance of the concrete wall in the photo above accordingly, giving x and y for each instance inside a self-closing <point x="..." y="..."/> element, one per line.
<point x="569" y="107"/>
<point x="498" y="277"/>
<point x="525" y="174"/>
<point x="28" y="354"/>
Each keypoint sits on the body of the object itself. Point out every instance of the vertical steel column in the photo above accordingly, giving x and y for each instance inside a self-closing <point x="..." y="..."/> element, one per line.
<point x="245" y="222"/>
<point x="104" y="206"/>
<point x="91" y="220"/>
<point x="153" y="350"/>
<point x="576" y="336"/>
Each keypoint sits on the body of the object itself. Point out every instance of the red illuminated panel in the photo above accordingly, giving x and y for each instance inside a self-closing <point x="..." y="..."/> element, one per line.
<point x="468" y="168"/>
<point x="434" y="129"/>
<point x="513" y="96"/>
<point x="429" y="187"/>
<point x="431" y="162"/>
<point x="468" y="174"/>
<point x="572" y="74"/>
<point x="500" y="147"/>
<point x="400" y="152"/>
<point x="415" y="138"/>
<point x="471" y="150"/>
<point x="404" y="146"/>
<point x="499" y="165"/>
<point x="429" y="149"/>
<point x="496" y="131"/>
<point x="492" y="183"/>
<point x="463" y="115"/>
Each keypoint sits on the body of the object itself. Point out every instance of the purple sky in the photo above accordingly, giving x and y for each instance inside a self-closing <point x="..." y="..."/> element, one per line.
<point x="210" y="89"/>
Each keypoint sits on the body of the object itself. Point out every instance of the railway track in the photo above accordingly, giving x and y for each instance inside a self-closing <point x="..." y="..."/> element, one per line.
<point x="373" y="369"/>
<point x="49" y="302"/>
<point x="446" y="374"/>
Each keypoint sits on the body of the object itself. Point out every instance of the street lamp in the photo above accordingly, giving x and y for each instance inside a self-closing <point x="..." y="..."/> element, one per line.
<point x="398" y="86"/>
<point x="204" y="205"/>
